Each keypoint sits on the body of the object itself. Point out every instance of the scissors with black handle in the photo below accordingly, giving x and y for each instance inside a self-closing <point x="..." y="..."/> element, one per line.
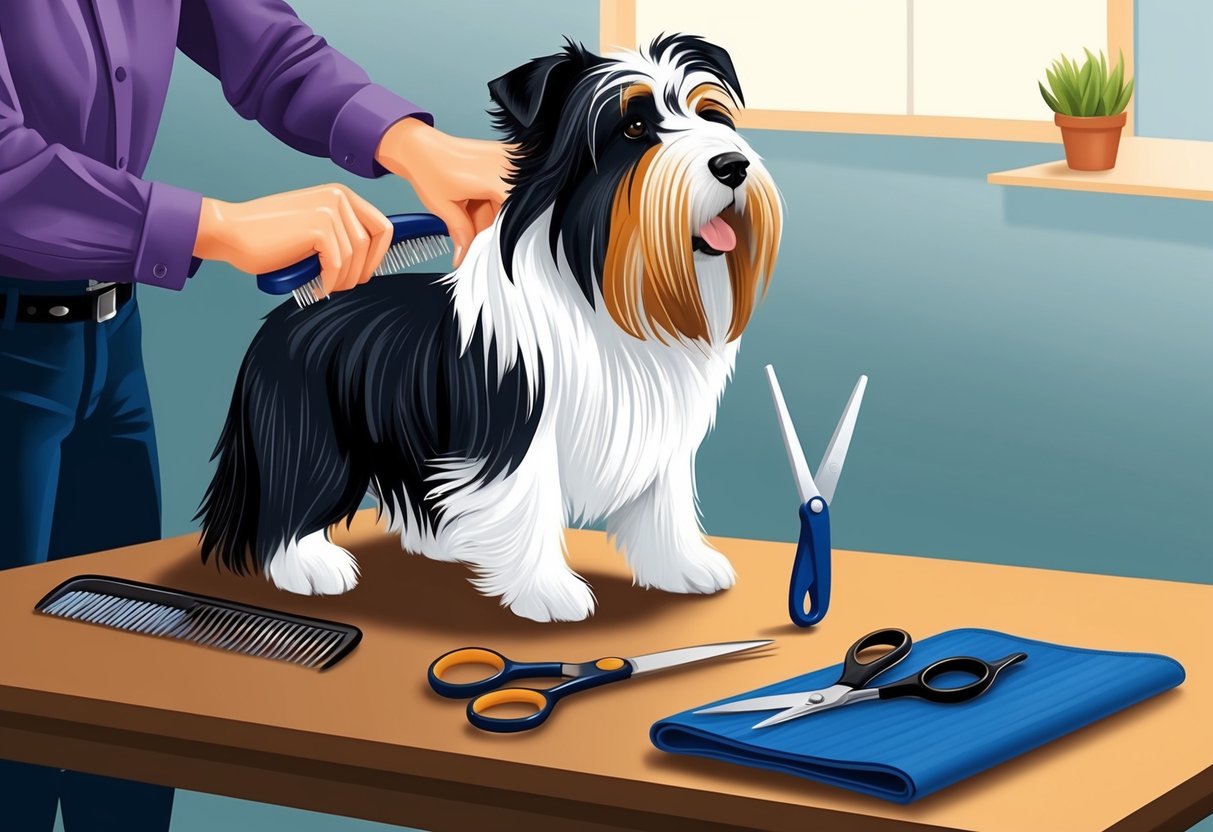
<point x="852" y="684"/>
<point x="489" y="692"/>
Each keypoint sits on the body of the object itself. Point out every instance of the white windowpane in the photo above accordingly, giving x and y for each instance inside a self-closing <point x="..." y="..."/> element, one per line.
<point x="982" y="58"/>
<point x="845" y="56"/>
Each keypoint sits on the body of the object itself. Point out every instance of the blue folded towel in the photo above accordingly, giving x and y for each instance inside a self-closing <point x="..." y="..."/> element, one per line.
<point x="904" y="749"/>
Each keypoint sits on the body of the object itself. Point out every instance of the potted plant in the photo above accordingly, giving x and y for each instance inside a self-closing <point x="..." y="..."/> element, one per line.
<point x="1089" y="106"/>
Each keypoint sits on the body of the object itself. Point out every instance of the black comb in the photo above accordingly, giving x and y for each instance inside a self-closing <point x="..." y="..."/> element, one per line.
<point x="199" y="619"/>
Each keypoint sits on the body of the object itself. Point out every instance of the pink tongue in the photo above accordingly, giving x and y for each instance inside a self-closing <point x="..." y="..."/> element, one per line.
<point x="717" y="233"/>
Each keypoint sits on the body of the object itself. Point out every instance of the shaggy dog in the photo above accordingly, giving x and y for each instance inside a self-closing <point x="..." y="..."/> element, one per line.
<point x="567" y="372"/>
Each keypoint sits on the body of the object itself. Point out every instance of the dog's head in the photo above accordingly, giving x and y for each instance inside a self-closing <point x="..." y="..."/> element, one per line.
<point x="637" y="157"/>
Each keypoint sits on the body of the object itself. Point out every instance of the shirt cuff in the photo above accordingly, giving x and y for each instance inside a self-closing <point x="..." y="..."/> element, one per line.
<point x="170" y="229"/>
<point x="361" y="123"/>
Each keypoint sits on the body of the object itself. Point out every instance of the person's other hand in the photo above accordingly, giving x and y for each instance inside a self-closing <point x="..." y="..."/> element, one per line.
<point x="459" y="180"/>
<point x="348" y="233"/>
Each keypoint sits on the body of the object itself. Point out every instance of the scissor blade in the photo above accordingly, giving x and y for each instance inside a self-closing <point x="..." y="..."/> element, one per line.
<point x="834" y="697"/>
<point x="784" y="716"/>
<point x="794" y="713"/>
<point x="760" y="703"/>
<point x="836" y="452"/>
<point x="686" y="655"/>
<point x="800" y="466"/>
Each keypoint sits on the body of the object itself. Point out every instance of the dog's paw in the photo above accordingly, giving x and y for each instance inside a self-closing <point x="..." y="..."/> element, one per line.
<point x="702" y="571"/>
<point x="566" y="598"/>
<point x="313" y="566"/>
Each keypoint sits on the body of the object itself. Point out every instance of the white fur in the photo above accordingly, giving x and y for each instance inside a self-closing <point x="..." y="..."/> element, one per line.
<point x="618" y="433"/>
<point x="313" y="565"/>
<point x="617" y="438"/>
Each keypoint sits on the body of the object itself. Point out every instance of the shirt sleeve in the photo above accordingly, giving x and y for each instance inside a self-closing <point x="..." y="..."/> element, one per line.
<point x="276" y="70"/>
<point x="65" y="216"/>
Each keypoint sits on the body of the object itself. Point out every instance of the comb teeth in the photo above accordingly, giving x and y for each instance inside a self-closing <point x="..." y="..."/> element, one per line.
<point x="224" y="626"/>
<point x="399" y="257"/>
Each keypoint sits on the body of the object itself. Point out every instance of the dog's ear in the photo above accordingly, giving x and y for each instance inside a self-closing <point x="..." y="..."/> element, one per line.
<point x="521" y="92"/>
<point x="524" y="96"/>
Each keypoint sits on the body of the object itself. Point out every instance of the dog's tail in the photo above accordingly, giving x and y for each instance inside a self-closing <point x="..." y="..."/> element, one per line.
<point x="230" y="507"/>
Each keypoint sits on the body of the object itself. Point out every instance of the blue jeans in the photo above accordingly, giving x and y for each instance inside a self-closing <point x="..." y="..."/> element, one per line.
<point x="79" y="475"/>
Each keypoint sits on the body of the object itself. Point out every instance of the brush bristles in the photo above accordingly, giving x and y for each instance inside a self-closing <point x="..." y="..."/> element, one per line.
<point x="408" y="253"/>
<point x="399" y="257"/>
<point x="209" y="626"/>
<point x="309" y="292"/>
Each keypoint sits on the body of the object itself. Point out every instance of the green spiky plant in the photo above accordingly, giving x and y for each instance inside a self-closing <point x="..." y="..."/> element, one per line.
<point x="1089" y="90"/>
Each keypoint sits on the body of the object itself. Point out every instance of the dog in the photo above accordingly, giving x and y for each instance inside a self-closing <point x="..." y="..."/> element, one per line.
<point x="566" y="373"/>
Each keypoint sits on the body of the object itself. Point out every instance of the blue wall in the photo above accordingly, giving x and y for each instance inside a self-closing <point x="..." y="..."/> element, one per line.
<point x="1174" y="69"/>
<point x="1039" y="360"/>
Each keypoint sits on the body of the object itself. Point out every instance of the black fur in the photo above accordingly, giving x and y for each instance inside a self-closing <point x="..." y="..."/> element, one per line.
<point x="362" y="391"/>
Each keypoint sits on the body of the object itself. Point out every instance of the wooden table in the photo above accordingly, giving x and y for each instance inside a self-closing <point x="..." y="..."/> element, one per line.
<point x="368" y="739"/>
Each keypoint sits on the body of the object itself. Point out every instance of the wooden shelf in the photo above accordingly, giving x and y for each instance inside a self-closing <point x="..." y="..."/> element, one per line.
<point x="1144" y="167"/>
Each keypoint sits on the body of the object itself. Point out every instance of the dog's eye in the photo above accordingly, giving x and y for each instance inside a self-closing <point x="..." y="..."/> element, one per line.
<point x="635" y="129"/>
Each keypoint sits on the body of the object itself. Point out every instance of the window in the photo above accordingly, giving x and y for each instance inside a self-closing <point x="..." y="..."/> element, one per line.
<point x="953" y="68"/>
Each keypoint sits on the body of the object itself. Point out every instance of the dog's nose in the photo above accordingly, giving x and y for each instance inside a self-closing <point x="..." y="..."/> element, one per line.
<point x="729" y="168"/>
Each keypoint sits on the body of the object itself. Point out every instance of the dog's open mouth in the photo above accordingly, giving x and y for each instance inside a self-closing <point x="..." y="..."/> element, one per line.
<point x="715" y="237"/>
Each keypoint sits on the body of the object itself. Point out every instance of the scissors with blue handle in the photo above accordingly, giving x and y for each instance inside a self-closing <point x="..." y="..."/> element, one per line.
<point x="811" y="569"/>
<point x="852" y="684"/>
<point x="488" y="692"/>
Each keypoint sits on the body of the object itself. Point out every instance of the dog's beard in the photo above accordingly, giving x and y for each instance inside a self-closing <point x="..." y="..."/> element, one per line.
<point x="649" y="282"/>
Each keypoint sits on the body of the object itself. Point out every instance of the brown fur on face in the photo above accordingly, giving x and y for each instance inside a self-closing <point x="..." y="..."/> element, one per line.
<point x="711" y="97"/>
<point x="630" y="92"/>
<point x="649" y="282"/>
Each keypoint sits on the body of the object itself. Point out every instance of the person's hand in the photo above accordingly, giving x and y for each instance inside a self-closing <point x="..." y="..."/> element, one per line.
<point x="459" y="180"/>
<point x="348" y="233"/>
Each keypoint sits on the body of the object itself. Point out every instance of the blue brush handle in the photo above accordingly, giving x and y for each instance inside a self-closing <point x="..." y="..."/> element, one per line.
<point x="811" y="569"/>
<point x="404" y="227"/>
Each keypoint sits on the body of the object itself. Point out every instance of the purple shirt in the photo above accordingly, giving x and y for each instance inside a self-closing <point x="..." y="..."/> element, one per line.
<point x="82" y="88"/>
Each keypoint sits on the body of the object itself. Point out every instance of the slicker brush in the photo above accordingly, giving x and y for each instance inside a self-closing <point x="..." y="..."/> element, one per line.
<point x="416" y="238"/>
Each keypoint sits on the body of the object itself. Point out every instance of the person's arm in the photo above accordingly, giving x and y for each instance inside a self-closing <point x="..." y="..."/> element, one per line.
<point x="276" y="70"/>
<point x="347" y="233"/>
<point x="64" y="216"/>
<point x="460" y="180"/>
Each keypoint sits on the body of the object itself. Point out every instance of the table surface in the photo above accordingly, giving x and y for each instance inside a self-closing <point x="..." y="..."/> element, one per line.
<point x="98" y="699"/>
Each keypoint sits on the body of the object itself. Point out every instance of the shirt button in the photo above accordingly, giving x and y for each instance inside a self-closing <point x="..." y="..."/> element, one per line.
<point x="121" y="162"/>
<point x="160" y="270"/>
<point x="120" y="73"/>
<point x="349" y="160"/>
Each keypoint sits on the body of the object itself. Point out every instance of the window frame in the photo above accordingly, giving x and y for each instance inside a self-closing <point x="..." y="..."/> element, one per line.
<point x="617" y="28"/>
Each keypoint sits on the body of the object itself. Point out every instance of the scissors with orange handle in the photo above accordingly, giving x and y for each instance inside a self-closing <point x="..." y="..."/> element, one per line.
<point x="488" y="693"/>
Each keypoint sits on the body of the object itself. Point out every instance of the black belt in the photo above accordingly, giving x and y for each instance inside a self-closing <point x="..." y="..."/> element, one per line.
<point x="99" y="304"/>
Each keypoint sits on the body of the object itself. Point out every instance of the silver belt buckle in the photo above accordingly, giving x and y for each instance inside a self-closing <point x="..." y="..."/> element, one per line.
<point x="106" y="303"/>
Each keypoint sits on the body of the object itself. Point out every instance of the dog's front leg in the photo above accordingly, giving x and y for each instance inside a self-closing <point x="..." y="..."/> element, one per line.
<point x="659" y="534"/>
<point x="511" y="531"/>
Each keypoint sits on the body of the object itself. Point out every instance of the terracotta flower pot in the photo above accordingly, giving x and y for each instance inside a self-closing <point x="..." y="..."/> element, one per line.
<point x="1091" y="143"/>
